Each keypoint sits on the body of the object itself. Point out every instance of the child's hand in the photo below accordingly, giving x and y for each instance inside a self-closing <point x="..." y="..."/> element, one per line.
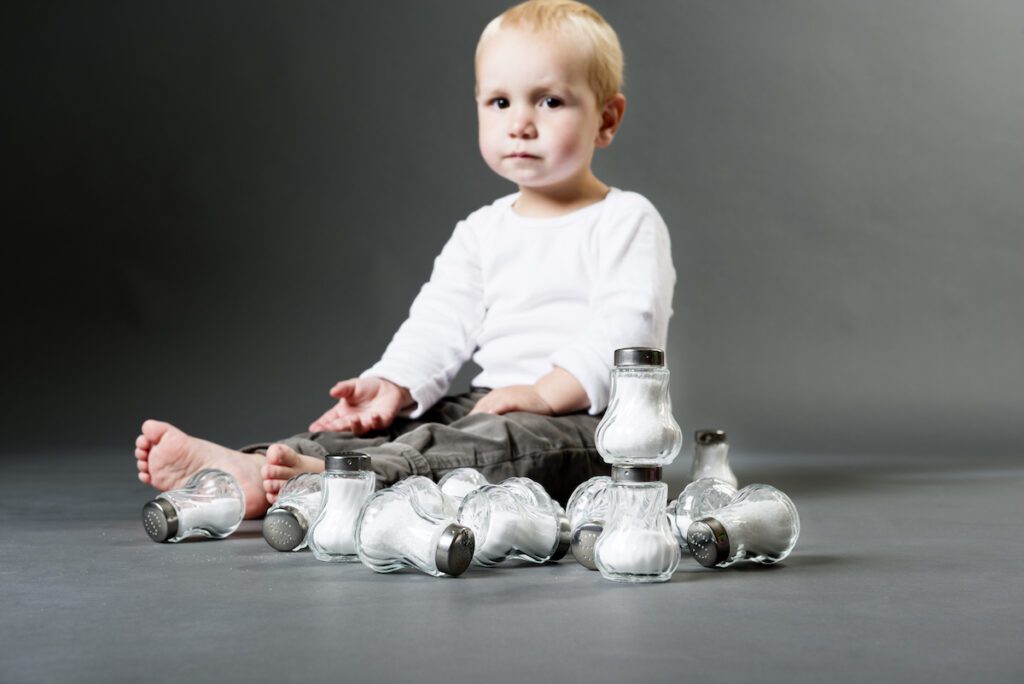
<point x="513" y="398"/>
<point x="364" y="404"/>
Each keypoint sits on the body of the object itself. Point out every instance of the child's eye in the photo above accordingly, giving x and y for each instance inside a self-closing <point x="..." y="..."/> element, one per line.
<point x="552" y="102"/>
<point x="500" y="103"/>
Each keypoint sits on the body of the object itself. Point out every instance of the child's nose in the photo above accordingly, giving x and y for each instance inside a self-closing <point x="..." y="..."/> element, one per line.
<point x="522" y="127"/>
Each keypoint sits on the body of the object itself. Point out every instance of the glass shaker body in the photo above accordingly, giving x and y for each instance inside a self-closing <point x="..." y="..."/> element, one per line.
<point x="711" y="457"/>
<point x="697" y="500"/>
<point x="587" y="511"/>
<point x="637" y="544"/>
<point x="211" y="504"/>
<point x="515" y="519"/>
<point x="760" y="525"/>
<point x="460" y="482"/>
<point x="638" y="427"/>
<point x="346" y="483"/>
<point x="287" y="522"/>
<point x="409" y="525"/>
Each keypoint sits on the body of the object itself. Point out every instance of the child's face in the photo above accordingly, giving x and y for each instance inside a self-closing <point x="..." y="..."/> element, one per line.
<point x="539" y="120"/>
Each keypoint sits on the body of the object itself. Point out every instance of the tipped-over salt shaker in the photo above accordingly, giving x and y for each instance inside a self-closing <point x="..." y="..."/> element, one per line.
<point x="287" y="521"/>
<point x="515" y="518"/>
<point x="409" y="525"/>
<point x="698" y="499"/>
<point x="587" y="511"/>
<point x="347" y="481"/>
<point x="460" y="482"/>
<point x="711" y="457"/>
<point x="211" y="504"/>
<point x="760" y="525"/>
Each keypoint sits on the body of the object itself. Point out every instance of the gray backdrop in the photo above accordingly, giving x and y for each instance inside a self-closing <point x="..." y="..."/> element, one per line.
<point x="215" y="210"/>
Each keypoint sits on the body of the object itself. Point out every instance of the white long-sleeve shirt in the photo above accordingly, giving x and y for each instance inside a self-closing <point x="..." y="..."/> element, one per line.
<point x="522" y="295"/>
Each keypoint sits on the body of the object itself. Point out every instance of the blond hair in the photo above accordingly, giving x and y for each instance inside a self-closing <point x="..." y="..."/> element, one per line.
<point x="578" y="22"/>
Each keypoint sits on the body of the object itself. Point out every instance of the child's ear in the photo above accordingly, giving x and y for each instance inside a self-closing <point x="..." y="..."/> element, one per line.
<point x="611" y="119"/>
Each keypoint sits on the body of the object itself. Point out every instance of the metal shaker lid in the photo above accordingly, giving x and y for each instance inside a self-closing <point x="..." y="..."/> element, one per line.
<point x="564" y="539"/>
<point x="584" y="538"/>
<point x="708" y="542"/>
<point x="284" y="529"/>
<point x="636" y="473"/>
<point x="346" y="462"/>
<point x="160" y="519"/>
<point x="455" y="550"/>
<point x="639" y="356"/>
<point x="709" y="437"/>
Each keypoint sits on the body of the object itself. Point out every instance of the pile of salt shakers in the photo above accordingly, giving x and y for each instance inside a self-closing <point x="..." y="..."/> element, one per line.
<point x="622" y="526"/>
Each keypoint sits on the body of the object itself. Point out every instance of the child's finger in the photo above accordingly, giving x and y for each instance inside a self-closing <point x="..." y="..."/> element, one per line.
<point x="346" y="388"/>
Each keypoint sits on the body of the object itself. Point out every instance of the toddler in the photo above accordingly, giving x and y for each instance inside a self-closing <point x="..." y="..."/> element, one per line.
<point x="538" y="288"/>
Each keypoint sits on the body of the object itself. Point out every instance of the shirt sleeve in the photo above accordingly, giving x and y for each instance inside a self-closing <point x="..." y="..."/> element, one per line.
<point x="631" y="301"/>
<point x="443" y="325"/>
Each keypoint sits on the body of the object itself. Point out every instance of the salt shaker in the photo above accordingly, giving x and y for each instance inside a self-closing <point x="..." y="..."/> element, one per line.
<point x="760" y="525"/>
<point x="460" y="482"/>
<point x="711" y="457"/>
<point x="587" y="511"/>
<point x="409" y="525"/>
<point x="211" y="504"/>
<point x="287" y="521"/>
<point x="515" y="519"/>
<point x="346" y="483"/>
<point x="698" y="499"/>
<point x="636" y="544"/>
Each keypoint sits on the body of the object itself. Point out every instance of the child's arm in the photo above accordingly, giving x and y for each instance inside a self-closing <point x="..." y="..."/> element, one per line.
<point x="555" y="394"/>
<point x="364" y="404"/>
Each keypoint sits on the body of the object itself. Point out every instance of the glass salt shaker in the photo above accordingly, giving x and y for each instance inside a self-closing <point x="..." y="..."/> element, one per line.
<point x="346" y="483"/>
<point x="698" y="499"/>
<point x="287" y="522"/>
<point x="587" y="511"/>
<point x="636" y="544"/>
<point x="211" y="504"/>
<point x="760" y="525"/>
<point x="410" y="525"/>
<point x="638" y="436"/>
<point x="460" y="482"/>
<point x="515" y="519"/>
<point x="638" y="427"/>
<point x="711" y="457"/>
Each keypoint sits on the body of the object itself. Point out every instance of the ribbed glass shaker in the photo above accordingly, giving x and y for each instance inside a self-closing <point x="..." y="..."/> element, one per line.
<point x="697" y="500"/>
<point x="711" y="457"/>
<point x="346" y="483"/>
<point x="410" y="525"/>
<point x="211" y="504"/>
<point x="587" y="511"/>
<point x="460" y="482"/>
<point x="515" y="518"/>
<point x="287" y="521"/>
<point x="638" y="427"/>
<point x="760" y="525"/>
<point x="636" y="544"/>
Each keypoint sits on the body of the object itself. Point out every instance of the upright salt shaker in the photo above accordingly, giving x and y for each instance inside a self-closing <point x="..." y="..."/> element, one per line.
<point x="211" y="504"/>
<point x="410" y="525"/>
<point x="760" y="525"/>
<point x="711" y="457"/>
<point x="286" y="523"/>
<point x="347" y="481"/>
<point x="515" y="518"/>
<point x="638" y="436"/>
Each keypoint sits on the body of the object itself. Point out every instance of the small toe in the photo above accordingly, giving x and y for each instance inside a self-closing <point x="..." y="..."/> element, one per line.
<point x="272" y="486"/>
<point x="142" y="465"/>
<point x="276" y="472"/>
<point x="142" y="454"/>
<point x="141" y="442"/>
<point x="144" y="478"/>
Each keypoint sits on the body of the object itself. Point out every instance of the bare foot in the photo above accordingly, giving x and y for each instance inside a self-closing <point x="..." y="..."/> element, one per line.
<point x="283" y="463"/>
<point x="167" y="457"/>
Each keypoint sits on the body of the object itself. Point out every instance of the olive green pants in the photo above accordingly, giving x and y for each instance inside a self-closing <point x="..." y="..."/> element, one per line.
<point x="556" y="451"/>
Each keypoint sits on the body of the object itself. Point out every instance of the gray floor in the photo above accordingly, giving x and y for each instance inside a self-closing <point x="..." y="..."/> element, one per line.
<point x="907" y="570"/>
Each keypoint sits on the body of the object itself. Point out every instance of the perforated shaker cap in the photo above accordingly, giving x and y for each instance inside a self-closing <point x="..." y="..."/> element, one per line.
<point x="160" y="519"/>
<point x="284" y="529"/>
<point x="639" y="356"/>
<point x="455" y="550"/>
<point x="584" y="538"/>
<point x="709" y="437"/>
<point x="346" y="462"/>
<point x="708" y="542"/>
<point x="564" y="539"/>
